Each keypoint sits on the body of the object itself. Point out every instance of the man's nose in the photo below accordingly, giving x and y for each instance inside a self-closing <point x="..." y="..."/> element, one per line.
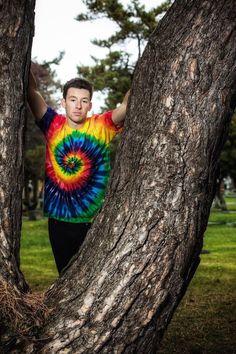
<point x="78" y="104"/>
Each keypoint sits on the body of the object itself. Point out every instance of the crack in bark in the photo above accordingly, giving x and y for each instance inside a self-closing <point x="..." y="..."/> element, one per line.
<point x="127" y="310"/>
<point x="119" y="237"/>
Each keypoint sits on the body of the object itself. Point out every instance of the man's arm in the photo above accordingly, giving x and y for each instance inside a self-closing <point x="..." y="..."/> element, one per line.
<point x="36" y="102"/>
<point x="118" y="114"/>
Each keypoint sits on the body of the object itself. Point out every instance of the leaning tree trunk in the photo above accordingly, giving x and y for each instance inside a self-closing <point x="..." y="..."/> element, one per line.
<point x="16" y="31"/>
<point x="120" y="292"/>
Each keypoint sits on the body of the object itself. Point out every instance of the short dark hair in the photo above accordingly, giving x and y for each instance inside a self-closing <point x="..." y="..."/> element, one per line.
<point x="78" y="83"/>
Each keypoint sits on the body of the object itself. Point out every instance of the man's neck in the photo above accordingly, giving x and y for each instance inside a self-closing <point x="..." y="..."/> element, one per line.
<point x="75" y="125"/>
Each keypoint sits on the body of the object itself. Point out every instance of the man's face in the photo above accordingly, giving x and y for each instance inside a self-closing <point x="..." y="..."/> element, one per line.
<point x="77" y="104"/>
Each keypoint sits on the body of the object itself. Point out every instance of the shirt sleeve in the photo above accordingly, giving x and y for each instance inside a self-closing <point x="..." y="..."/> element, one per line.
<point x="109" y="122"/>
<point x="46" y="120"/>
<point x="104" y="127"/>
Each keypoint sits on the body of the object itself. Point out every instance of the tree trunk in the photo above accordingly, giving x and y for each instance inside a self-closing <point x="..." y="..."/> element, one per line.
<point x="119" y="294"/>
<point x="16" y="32"/>
<point x="16" y="29"/>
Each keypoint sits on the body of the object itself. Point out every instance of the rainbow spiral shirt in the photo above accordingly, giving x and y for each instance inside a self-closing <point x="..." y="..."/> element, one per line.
<point x="77" y="165"/>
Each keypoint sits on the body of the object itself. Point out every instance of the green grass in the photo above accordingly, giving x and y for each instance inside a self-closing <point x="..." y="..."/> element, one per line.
<point x="231" y="203"/>
<point x="223" y="217"/>
<point x="205" y="320"/>
<point x="37" y="262"/>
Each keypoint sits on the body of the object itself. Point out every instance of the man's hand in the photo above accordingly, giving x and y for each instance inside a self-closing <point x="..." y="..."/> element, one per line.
<point x="36" y="102"/>
<point x="118" y="114"/>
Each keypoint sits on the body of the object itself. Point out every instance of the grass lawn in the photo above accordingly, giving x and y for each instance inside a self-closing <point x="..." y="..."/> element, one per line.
<point x="37" y="262"/>
<point x="205" y="321"/>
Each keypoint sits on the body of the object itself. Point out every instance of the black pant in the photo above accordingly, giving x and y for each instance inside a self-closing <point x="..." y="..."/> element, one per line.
<point x="66" y="239"/>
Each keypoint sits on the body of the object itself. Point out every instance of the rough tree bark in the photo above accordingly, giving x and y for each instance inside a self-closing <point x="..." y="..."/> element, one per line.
<point x="16" y="32"/>
<point x="120" y="292"/>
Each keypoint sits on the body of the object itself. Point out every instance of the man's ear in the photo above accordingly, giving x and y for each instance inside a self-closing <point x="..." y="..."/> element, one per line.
<point x="90" y="105"/>
<point x="63" y="103"/>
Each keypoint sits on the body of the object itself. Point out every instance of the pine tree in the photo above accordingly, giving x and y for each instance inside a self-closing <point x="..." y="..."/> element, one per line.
<point x="113" y="74"/>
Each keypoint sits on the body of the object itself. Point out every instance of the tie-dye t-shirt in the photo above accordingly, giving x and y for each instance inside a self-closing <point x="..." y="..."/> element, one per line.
<point x="77" y="165"/>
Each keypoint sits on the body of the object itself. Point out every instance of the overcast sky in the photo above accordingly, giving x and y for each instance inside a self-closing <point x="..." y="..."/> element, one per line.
<point x="57" y="30"/>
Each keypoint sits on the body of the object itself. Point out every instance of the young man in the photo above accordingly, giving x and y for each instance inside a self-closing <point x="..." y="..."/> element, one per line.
<point x="77" y="163"/>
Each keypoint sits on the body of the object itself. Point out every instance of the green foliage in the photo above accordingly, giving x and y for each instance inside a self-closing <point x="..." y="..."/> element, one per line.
<point x="34" y="162"/>
<point x="113" y="74"/>
<point x="133" y="22"/>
